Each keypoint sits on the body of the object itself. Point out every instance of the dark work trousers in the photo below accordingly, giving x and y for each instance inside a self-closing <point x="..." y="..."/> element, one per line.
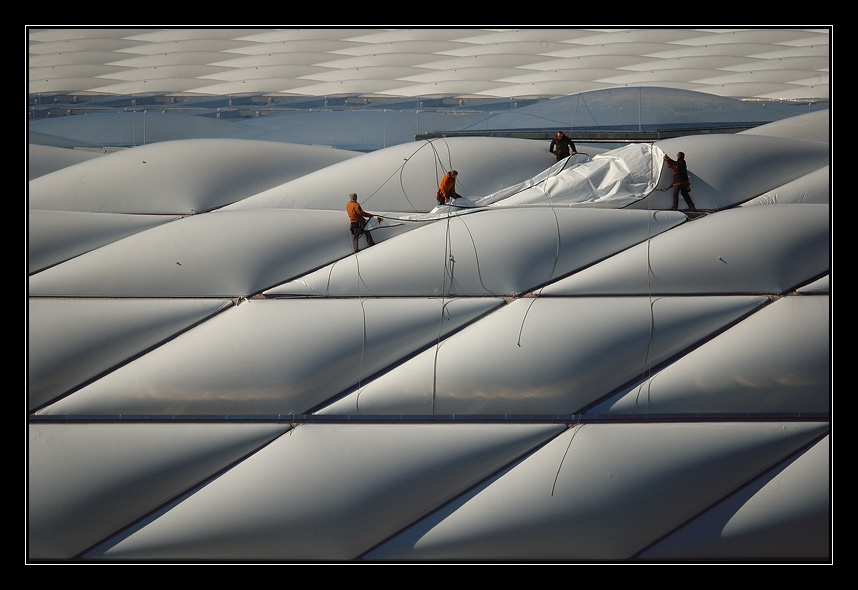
<point x="358" y="231"/>
<point x="682" y="188"/>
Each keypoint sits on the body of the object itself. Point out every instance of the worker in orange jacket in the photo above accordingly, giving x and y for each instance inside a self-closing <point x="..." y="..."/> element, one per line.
<point x="447" y="190"/>
<point x="357" y="216"/>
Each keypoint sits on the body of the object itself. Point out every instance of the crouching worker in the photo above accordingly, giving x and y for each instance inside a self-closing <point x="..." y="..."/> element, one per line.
<point x="447" y="189"/>
<point x="357" y="216"/>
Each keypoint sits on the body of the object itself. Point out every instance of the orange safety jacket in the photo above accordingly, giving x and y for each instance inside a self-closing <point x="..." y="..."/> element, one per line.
<point x="356" y="213"/>
<point x="448" y="186"/>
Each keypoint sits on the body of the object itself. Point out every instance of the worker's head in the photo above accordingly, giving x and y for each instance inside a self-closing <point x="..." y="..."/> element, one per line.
<point x="352" y="196"/>
<point x="454" y="173"/>
<point x="559" y="134"/>
<point x="680" y="155"/>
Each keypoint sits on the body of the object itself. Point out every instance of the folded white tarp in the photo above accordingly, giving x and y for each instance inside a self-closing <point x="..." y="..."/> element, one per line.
<point x="621" y="176"/>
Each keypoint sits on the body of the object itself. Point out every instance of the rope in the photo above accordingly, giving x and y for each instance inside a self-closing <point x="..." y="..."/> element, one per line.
<point x="476" y="257"/>
<point x="556" y="258"/>
<point x="577" y="429"/>
<point x="363" y="339"/>
<point x="446" y="285"/>
<point x="444" y="293"/>
<point x="648" y="360"/>
<point x="581" y="98"/>
<point x="646" y="374"/>
<point x="449" y="260"/>
<point x="399" y="169"/>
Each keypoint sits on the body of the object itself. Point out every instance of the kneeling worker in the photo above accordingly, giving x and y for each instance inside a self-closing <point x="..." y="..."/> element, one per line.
<point x="447" y="189"/>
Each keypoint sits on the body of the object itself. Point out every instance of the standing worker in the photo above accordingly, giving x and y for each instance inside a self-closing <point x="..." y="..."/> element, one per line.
<point x="357" y="216"/>
<point x="561" y="146"/>
<point x="681" y="183"/>
<point x="447" y="190"/>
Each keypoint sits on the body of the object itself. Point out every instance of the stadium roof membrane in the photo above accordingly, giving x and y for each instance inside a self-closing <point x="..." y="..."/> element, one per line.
<point x="764" y="63"/>
<point x="558" y="367"/>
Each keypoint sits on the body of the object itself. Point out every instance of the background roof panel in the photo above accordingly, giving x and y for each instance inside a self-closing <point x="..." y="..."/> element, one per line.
<point x="531" y="49"/>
